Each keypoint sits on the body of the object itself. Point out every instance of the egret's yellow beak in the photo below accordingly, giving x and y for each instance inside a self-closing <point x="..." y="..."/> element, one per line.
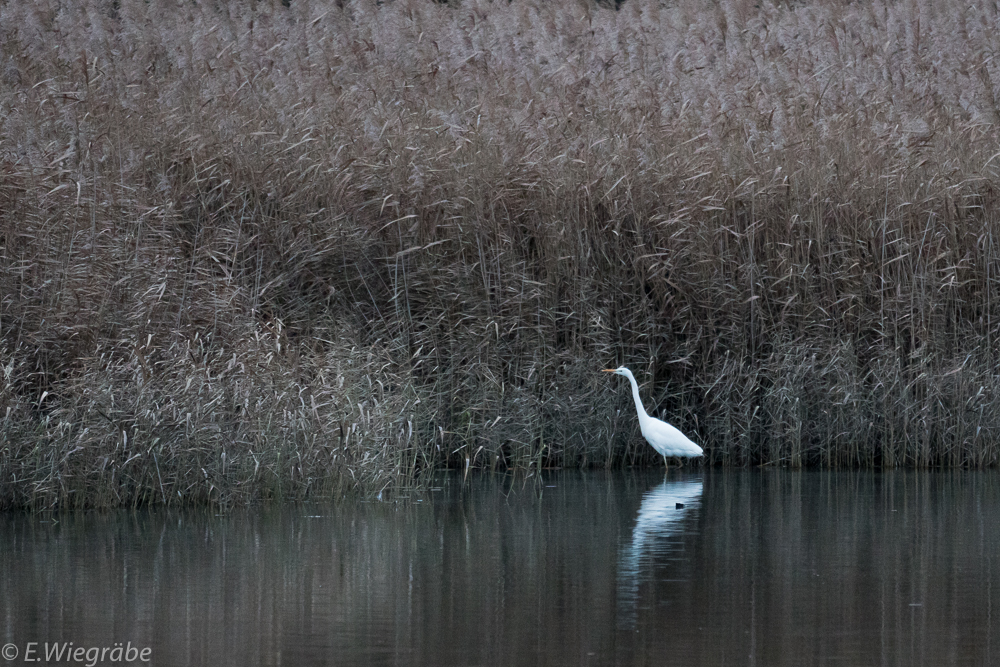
<point x="609" y="370"/>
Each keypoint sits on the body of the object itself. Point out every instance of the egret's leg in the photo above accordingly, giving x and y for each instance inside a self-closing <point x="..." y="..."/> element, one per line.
<point x="666" y="466"/>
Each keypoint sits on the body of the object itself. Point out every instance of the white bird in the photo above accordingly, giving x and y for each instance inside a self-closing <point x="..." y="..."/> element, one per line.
<point x="664" y="438"/>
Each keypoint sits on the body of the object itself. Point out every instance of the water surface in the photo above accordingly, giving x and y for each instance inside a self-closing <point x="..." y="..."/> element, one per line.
<point x="755" y="568"/>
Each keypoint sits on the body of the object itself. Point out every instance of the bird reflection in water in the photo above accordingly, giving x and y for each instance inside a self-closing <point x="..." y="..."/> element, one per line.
<point x="655" y="539"/>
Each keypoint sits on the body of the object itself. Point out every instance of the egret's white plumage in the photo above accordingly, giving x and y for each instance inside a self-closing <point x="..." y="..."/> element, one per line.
<point x="664" y="438"/>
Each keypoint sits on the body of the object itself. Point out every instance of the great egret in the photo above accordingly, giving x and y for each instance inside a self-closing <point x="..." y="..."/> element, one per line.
<point x="664" y="438"/>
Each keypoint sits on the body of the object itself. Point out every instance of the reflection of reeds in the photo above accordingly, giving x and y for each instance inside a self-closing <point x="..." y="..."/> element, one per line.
<point x="344" y="244"/>
<point x="861" y="552"/>
<point x="773" y="567"/>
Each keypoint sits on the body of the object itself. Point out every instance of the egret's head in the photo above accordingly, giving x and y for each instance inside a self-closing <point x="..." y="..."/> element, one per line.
<point x="617" y="371"/>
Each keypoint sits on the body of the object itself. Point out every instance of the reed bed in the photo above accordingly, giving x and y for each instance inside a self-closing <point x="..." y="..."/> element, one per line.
<point x="253" y="250"/>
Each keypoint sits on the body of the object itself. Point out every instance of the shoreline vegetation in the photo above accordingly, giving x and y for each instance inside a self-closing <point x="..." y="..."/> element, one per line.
<point x="251" y="251"/>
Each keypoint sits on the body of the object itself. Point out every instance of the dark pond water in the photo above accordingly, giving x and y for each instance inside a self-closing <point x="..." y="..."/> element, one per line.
<point x="757" y="568"/>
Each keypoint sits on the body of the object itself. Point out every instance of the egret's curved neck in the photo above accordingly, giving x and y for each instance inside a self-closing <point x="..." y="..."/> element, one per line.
<point x="635" y="394"/>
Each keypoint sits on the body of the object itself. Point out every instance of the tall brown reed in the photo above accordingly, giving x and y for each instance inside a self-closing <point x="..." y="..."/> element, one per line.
<point x="252" y="250"/>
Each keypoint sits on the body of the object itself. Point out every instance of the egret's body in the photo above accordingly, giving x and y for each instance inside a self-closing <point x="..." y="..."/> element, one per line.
<point x="664" y="438"/>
